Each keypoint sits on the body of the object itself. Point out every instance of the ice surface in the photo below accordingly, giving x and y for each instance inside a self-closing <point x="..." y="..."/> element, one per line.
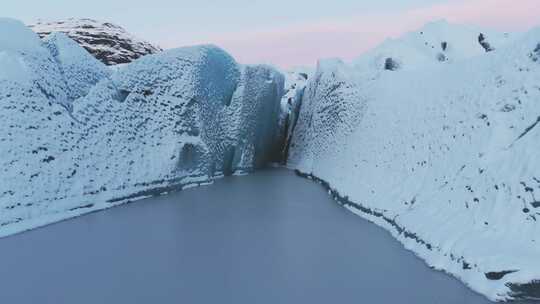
<point x="445" y="156"/>
<point x="76" y="137"/>
<point x="80" y="69"/>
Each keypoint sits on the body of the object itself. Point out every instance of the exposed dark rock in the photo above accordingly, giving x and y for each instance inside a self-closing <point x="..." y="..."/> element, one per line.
<point x="109" y="43"/>
<point x="483" y="42"/>
<point x="441" y="57"/>
<point x="529" y="128"/>
<point x="528" y="291"/>
<point x="444" y="46"/>
<point x="391" y="65"/>
<point x="535" y="55"/>
<point x="497" y="275"/>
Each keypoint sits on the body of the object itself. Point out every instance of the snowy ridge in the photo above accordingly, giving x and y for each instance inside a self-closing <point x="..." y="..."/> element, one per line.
<point x="437" y="43"/>
<point x="168" y="121"/>
<point x="80" y="70"/>
<point x="443" y="156"/>
<point x="109" y="43"/>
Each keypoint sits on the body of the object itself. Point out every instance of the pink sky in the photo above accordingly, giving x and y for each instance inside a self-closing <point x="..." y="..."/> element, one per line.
<point x="303" y="44"/>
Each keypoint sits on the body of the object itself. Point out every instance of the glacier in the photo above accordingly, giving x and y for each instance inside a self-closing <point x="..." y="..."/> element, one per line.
<point x="443" y="154"/>
<point x="76" y="137"/>
<point x="433" y="136"/>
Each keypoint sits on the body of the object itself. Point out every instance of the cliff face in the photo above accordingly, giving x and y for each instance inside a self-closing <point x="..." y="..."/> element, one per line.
<point x="441" y="153"/>
<point x="72" y="145"/>
<point x="109" y="43"/>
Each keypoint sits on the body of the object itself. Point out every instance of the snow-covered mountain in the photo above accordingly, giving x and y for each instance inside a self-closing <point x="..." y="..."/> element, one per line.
<point x="76" y="137"/>
<point x="443" y="154"/>
<point x="109" y="43"/>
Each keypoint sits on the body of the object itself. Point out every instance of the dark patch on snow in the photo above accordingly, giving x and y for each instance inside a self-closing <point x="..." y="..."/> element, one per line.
<point x="441" y="57"/>
<point x="482" y="40"/>
<point x="48" y="159"/>
<point x="150" y="192"/>
<point x="147" y="93"/>
<point x="391" y="65"/>
<point x="444" y="46"/>
<point x="535" y="55"/>
<point x="497" y="275"/>
<point x="508" y="108"/>
<point x="527" y="291"/>
<point x="17" y="220"/>
<point x="82" y="207"/>
<point x="529" y="128"/>
<point x="121" y="95"/>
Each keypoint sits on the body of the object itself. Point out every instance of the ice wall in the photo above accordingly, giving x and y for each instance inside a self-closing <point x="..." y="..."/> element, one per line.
<point x="445" y="157"/>
<point x="75" y="138"/>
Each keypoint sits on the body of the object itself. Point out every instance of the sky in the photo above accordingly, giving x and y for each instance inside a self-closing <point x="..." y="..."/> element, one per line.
<point x="285" y="33"/>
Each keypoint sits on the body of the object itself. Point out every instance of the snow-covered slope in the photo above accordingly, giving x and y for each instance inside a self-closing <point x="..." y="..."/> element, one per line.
<point x="166" y="121"/>
<point x="109" y="43"/>
<point x="79" y="69"/>
<point x="443" y="156"/>
<point x="437" y="43"/>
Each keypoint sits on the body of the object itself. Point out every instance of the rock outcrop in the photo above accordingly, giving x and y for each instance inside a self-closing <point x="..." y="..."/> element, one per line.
<point x="109" y="43"/>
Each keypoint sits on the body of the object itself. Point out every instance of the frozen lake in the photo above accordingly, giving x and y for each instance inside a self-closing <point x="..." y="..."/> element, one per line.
<point x="271" y="237"/>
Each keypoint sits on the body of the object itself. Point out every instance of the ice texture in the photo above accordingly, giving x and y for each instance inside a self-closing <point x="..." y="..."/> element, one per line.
<point x="80" y="70"/>
<point x="444" y="156"/>
<point x="76" y="137"/>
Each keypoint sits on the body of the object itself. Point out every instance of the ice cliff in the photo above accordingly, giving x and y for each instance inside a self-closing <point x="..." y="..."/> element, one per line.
<point x="75" y="137"/>
<point x="443" y="154"/>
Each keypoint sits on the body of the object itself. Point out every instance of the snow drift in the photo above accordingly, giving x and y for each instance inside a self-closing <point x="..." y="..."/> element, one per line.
<point x="442" y="154"/>
<point x="76" y="138"/>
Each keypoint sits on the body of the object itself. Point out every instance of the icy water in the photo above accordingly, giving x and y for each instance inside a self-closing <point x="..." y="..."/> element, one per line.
<point x="271" y="237"/>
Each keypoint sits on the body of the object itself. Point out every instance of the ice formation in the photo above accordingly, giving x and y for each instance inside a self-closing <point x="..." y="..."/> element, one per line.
<point x="442" y="154"/>
<point x="76" y="138"/>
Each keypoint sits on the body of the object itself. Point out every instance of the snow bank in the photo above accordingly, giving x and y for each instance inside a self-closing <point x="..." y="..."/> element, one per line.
<point x="443" y="156"/>
<point x="75" y="138"/>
